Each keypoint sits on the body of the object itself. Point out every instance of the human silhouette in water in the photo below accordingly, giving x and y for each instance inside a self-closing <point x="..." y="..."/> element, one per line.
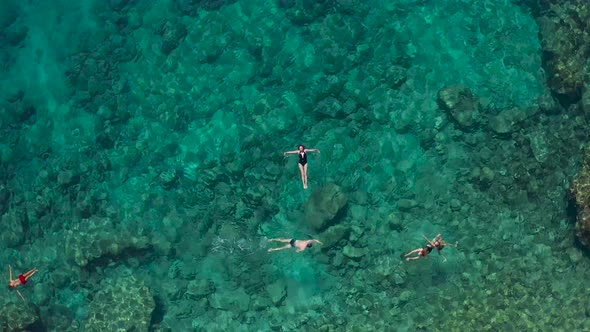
<point x="301" y="245"/>
<point x="437" y="243"/>
<point x="21" y="280"/>
<point x="302" y="152"/>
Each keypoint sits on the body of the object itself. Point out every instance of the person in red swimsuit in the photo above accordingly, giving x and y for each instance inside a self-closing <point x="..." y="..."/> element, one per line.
<point x="21" y="280"/>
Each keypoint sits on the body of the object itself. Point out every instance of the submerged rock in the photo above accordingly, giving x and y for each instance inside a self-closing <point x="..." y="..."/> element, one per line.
<point x="20" y="317"/>
<point x="236" y="301"/>
<point x="173" y="32"/>
<point x="585" y="102"/>
<point x="461" y="104"/>
<point x="95" y="238"/>
<point x="507" y="121"/>
<point x="192" y="7"/>
<point x="566" y="44"/>
<point x="323" y="206"/>
<point x="406" y="204"/>
<point x="197" y="289"/>
<point x="353" y="252"/>
<point x="580" y="192"/>
<point x="331" y="236"/>
<point x="13" y="222"/>
<point x="124" y="304"/>
<point x="277" y="292"/>
<point x="539" y="145"/>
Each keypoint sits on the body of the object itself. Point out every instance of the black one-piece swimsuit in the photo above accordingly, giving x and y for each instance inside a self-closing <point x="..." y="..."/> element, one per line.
<point x="302" y="158"/>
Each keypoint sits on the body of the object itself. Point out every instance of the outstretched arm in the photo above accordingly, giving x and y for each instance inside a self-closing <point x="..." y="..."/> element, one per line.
<point x="290" y="152"/>
<point x="452" y="244"/>
<point x="21" y="296"/>
<point x="427" y="240"/>
<point x="312" y="150"/>
<point x="10" y="271"/>
<point x="317" y="241"/>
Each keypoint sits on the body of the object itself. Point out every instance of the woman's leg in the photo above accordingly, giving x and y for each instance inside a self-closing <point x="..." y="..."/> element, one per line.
<point x="305" y="176"/>
<point x="30" y="273"/>
<point x="413" y="252"/>
<point x="302" y="171"/>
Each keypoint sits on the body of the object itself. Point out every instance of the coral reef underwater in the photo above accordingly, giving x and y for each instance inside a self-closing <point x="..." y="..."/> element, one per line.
<point x="142" y="168"/>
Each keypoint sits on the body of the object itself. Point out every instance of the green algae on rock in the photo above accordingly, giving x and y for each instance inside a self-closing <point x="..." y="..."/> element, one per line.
<point x="122" y="304"/>
<point x="566" y="44"/>
<point x="20" y="317"/>
<point x="580" y="191"/>
<point x="96" y="238"/>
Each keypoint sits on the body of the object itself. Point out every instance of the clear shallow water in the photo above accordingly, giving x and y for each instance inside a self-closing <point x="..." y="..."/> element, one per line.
<point x="143" y="169"/>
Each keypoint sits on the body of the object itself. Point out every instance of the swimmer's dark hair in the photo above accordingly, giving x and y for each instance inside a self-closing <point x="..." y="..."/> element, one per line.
<point x="309" y="245"/>
<point x="301" y="145"/>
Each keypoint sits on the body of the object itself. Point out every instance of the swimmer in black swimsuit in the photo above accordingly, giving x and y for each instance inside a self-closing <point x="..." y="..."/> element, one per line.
<point x="422" y="252"/>
<point x="437" y="243"/>
<point x="301" y="245"/>
<point x="302" y="152"/>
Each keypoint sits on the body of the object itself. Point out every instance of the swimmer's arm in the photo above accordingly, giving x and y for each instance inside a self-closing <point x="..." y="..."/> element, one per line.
<point x="427" y="240"/>
<point x="318" y="242"/>
<point x="21" y="296"/>
<point x="10" y="271"/>
<point x="312" y="150"/>
<point x="290" y="152"/>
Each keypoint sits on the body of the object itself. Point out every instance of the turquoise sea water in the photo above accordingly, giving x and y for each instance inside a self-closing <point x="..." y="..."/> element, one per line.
<point x="142" y="165"/>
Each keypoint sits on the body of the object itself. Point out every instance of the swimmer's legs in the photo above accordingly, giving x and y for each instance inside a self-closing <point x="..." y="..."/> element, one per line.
<point x="280" y="240"/>
<point x="30" y="273"/>
<point x="413" y="252"/>
<point x="412" y="258"/>
<point x="305" y="176"/>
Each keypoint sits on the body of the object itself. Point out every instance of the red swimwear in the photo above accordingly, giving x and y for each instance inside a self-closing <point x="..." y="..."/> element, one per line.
<point x="22" y="279"/>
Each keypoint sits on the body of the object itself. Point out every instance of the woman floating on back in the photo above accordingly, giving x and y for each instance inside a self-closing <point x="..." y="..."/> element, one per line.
<point x="302" y="152"/>
<point x="20" y="280"/>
